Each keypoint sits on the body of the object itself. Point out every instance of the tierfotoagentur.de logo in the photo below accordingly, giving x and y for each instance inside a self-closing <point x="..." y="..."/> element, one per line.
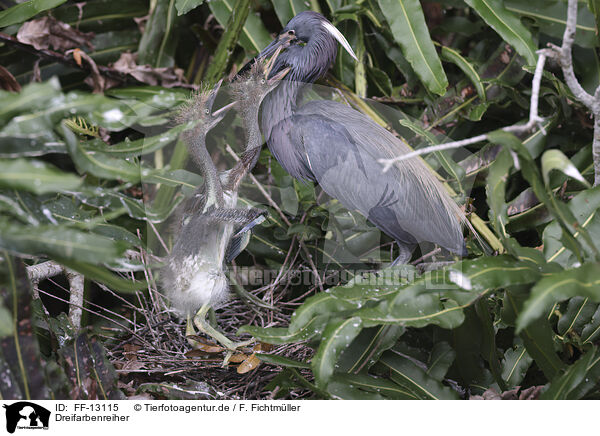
<point x="24" y="415"/>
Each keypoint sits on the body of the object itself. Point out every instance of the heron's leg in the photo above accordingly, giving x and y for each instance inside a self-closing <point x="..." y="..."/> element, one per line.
<point x="203" y="325"/>
<point x="405" y="254"/>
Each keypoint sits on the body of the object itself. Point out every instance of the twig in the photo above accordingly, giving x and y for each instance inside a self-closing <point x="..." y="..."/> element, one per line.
<point x="534" y="121"/>
<point x="76" y="282"/>
<point x="564" y="56"/>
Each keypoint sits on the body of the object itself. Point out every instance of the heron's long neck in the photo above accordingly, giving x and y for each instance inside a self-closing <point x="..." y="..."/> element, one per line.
<point x="279" y="105"/>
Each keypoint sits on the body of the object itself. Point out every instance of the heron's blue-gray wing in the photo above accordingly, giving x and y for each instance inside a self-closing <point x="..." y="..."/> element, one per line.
<point x="341" y="149"/>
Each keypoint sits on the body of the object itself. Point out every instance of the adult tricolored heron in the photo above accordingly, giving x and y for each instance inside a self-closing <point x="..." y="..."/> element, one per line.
<point x="339" y="148"/>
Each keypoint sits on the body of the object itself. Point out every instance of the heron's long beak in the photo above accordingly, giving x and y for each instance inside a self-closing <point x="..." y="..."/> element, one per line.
<point x="213" y="95"/>
<point x="281" y="42"/>
<point x="340" y="38"/>
<point x="279" y="76"/>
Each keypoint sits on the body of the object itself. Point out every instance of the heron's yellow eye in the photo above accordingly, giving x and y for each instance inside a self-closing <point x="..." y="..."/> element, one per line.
<point x="291" y="32"/>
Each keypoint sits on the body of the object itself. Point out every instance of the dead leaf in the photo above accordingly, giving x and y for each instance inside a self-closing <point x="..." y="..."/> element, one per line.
<point x="167" y="77"/>
<point x="8" y="81"/>
<point x="48" y="32"/>
<point x="77" y="56"/>
<point x="199" y="344"/>
<point x="237" y="358"/>
<point x="248" y="365"/>
<point x="532" y="393"/>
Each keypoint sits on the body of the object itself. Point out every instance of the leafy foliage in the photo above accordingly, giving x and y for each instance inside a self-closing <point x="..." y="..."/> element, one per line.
<point x="90" y="168"/>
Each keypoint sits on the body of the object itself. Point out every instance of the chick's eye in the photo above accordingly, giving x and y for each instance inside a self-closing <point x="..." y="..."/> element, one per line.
<point x="263" y="81"/>
<point x="291" y="32"/>
<point x="206" y="111"/>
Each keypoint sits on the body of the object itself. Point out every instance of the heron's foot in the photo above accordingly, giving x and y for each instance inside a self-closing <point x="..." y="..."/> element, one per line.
<point x="231" y="347"/>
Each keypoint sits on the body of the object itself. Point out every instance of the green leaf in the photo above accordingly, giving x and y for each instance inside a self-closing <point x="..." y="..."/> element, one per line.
<point x="278" y="335"/>
<point x="102" y="275"/>
<point x="451" y="55"/>
<point x="254" y="35"/>
<point x="184" y="6"/>
<point x="288" y="9"/>
<point x="579" y="312"/>
<point x="273" y="359"/>
<point x="507" y="25"/>
<point x="556" y="160"/>
<point x="413" y="378"/>
<point x="20" y="359"/>
<point x="591" y="331"/>
<point x="537" y="338"/>
<point x="157" y="45"/>
<point x="366" y="387"/>
<point x="59" y="242"/>
<point x="100" y="164"/>
<point x="584" y="206"/>
<point x="336" y="336"/>
<point x="583" y="281"/>
<point x="551" y="18"/>
<point x="24" y="11"/>
<point x="515" y="365"/>
<point x="35" y="176"/>
<point x="562" y="385"/>
<point x="441" y="358"/>
<point x="408" y="26"/>
<point x="367" y="347"/>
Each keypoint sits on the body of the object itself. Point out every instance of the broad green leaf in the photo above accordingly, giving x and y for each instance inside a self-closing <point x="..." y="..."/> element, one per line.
<point x="278" y="335"/>
<point x="157" y="45"/>
<point x="20" y="360"/>
<point x="273" y="359"/>
<point x="537" y="337"/>
<point x="583" y="281"/>
<point x="35" y="176"/>
<point x="412" y="377"/>
<point x="288" y="9"/>
<point x="591" y="331"/>
<point x="589" y="382"/>
<point x="102" y="275"/>
<point x="24" y="11"/>
<point x="451" y="55"/>
<point x="366" y="387"/>
<point x="408" y="26"/>
<point x="551" y="18"/>
<point x="441" y="358"/>
<point x="367" y="347"/>
<point x="579" y="312"/>
<point x="100" y="164"/>
<point x="496" y="191"/>
<point x="59" y="242"/>
<point x="556" y="160"/>
<point x="562" y="385"/>
<point x="184" y="6"/>
<point x="138" y="147"/>
<point x="254" y="35"/>
<point x="336" y="337"/>
<point x="507" y="25"/>
<point x="515" y="365"/>
<point x="584" y="206"/>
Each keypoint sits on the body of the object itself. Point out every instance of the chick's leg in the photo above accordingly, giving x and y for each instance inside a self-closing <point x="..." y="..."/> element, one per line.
<point x="204" y="327"/>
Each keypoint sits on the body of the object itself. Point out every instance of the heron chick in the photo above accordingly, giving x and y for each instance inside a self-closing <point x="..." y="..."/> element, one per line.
<point x="194" y="277"/>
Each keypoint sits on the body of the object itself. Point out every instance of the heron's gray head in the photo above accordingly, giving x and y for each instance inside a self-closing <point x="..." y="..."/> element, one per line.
<point x="312" y="41"/>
